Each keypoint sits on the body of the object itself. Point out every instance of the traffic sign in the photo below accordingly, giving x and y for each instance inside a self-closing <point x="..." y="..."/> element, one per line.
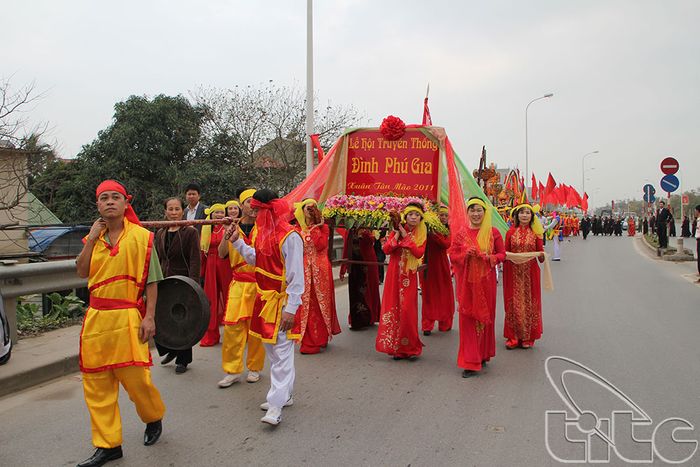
<point x="685" y="200"/>
<point x="649" y="198"/>
<point x="649" y="188"/>
<point x="669" y="166"/>
<point x="669" y="183"/>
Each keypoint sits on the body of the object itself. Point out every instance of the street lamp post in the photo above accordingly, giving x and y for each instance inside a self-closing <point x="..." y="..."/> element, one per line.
<point x="309" y="86"/>
<point x="583" y="171"/>
<point x="526" y="158"/>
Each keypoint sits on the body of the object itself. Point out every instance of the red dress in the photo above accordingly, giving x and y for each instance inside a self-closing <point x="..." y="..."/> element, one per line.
<point x="477" y="340"/>
<point x="631" y="231"/>
<point x="436" y="285"/>
<point x="217" y="277"/>
<point x="317" y="317"/>
<point x="521" y="289"/>
<point x="398" y="325"/>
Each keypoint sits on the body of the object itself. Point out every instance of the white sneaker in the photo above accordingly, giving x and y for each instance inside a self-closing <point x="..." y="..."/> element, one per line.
<point x="253" y="377"/>
<point x="273" y="416"/>
<point x="229" y="380"/>
<point x="289" y="403"/>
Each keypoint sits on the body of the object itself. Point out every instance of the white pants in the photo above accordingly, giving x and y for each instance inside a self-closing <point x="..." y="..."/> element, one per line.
<point x="556" y="247"/>
<point x="281" y="357"/>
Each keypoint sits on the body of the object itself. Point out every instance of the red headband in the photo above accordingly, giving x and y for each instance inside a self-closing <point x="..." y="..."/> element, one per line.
<point x="113" y="185"/>
<point x="255" y="204"/>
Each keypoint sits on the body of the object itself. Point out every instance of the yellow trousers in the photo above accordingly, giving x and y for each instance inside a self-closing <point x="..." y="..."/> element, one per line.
<point x="102" y="399"/>
<point x="235" y="338"/>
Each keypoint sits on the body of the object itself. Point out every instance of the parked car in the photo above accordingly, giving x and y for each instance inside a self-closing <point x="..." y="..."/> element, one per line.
<point x="5" y="341"/>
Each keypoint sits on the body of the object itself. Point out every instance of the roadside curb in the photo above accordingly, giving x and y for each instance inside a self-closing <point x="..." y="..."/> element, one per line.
<point x="648" y="245"/>
<point x="37" y="360"/>
<point x="672" y="257"/>
<point x="17" y="381"/>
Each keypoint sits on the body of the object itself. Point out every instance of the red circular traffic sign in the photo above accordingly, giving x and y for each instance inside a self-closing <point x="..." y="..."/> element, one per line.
<point x="669" y="166"/>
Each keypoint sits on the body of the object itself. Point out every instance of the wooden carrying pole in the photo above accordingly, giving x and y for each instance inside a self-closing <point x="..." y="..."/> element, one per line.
<point x="185" y="222"/>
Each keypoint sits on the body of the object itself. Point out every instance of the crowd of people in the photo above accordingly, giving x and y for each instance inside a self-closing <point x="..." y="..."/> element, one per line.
<point x="268" y="278"/>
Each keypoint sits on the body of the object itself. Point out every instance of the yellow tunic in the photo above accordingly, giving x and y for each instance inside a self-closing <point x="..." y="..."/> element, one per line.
<point x="110" y="335"/>
<point x="242" y="291"/>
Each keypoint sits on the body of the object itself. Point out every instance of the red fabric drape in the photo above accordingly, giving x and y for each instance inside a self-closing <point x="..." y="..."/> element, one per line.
<point x="317" y="144"/>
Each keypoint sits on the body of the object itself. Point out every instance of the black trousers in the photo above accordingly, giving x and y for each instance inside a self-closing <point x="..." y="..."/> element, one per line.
<point x="663" y="236"/>
<point x="182" y="357"/>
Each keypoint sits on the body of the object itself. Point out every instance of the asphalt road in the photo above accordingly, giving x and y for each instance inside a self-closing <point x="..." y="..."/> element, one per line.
<point x="630" y="318"/>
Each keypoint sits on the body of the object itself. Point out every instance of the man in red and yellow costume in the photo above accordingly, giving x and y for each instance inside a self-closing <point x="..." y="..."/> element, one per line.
<point x="121" y="264"/>
<point x="240" y="302"/>
<point x="278" y="257"/>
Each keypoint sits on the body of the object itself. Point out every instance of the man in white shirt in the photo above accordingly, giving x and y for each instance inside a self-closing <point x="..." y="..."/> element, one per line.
<point x="194" y="209"/>
<point x="278" y="257"/>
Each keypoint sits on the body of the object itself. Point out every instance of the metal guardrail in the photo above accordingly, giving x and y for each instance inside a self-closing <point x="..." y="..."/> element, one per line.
<point x="24" y="279"/>
<point x="17" y="280"/>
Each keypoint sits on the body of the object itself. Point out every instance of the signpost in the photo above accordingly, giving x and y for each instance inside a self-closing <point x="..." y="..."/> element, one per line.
<point x="670" y="183"/>
<point x="649" y="197"/>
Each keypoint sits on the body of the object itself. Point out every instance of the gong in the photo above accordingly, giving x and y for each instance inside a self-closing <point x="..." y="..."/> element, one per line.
<point x="182" y="313"/>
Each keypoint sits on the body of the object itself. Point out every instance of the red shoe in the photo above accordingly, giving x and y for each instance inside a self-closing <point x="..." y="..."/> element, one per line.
<point x="528" y="344"/>
<point x="511" y="344"/>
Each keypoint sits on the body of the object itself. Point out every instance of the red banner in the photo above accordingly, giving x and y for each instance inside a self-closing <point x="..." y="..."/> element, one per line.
<point x="404" y="167"/>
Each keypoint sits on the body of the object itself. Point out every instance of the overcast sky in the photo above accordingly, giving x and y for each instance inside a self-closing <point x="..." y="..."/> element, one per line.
<point x="625" y="74"/>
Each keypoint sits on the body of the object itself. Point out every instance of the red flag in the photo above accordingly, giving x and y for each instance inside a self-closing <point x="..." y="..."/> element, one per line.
<point x="584" y="202"/>
<point x="534" y="187"/>
<point x="316" y="142"/>
<point x="571" y="201"/>
<point x="577" y="196"/>
<point x="562" y="194"/>
<point x="427" y="120"/>
<point x="551" y="185"/>
<point x="540" y="190"/>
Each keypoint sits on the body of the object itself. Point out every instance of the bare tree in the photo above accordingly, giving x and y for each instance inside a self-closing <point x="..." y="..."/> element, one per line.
<point x="270" y="122"/>
<point x="20" y="150"/>
<point x="15" y="105"/>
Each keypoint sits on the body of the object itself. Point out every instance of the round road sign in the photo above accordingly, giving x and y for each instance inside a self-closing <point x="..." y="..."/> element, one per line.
<point x="669" y="183"/>
<point x="669" y="166"/>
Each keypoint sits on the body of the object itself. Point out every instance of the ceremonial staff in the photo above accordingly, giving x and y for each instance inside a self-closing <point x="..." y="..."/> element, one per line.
<point x="185" y="222"/>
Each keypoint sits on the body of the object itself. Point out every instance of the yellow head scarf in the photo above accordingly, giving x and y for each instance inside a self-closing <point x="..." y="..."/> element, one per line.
<point x="205" y="238"/>
<point x="483" y="238"/>
<point x="536" y="224"/>
<point x="299" y="212"/>
<point x="420" y="235"/>
<point x="245" y="195"/>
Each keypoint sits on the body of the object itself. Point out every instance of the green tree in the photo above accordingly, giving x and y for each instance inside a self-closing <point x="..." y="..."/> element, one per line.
<point x="149" y="147"/>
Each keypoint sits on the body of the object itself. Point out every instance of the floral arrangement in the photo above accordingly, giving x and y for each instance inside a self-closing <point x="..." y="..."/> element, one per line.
<point x="392" y="128"/>
<point x="373" y="211"/>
